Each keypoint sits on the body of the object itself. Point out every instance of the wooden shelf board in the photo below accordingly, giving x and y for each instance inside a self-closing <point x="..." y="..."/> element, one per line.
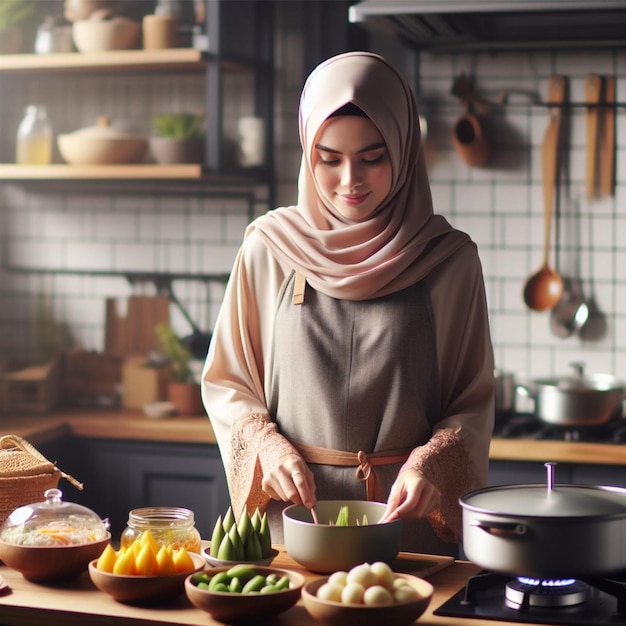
<point x="118" y="60"/>
<point x="9" y="171"/>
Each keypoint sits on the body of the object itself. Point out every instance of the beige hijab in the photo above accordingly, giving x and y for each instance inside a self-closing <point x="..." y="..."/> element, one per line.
<point x="402" y="241"/>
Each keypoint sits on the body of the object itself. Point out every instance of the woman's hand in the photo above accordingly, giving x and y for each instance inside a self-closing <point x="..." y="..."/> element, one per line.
<point x="290" y="480"/>
<point x="411" y="495"/>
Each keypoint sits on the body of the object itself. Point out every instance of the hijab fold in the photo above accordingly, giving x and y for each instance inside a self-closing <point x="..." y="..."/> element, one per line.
<point x="403" y="240"/>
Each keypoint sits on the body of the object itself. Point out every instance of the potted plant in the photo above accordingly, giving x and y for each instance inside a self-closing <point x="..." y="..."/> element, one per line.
<point x="183" y="390"/>
<point x="12" y="14"/>
<point x="179" y="138"/>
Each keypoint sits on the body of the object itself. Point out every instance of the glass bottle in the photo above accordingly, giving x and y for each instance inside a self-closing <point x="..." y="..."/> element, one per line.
<point x="34" y="137"/>
<point x="173" y="526"/>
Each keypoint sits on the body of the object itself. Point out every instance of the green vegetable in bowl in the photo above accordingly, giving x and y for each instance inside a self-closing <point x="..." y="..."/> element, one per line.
<point x="343" y="519"/>
<point x="247" y="540"/>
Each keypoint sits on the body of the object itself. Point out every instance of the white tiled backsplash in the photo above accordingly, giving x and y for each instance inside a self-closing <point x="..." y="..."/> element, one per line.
<point x="500" y="206"/>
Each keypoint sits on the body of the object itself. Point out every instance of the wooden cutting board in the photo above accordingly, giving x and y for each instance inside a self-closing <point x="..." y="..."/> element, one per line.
<point x="422" y="565"/>
<point x="144" y="313"/>
<point x="132" y="333"/>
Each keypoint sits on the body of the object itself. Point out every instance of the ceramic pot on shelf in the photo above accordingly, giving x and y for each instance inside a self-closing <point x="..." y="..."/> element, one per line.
<point x="186" y="398"/>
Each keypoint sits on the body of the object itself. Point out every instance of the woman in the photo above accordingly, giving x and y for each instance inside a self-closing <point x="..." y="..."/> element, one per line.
<point x="352" y="358"/>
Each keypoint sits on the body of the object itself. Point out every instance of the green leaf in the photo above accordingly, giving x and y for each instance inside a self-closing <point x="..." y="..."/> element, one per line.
<point x="179" y="125"/>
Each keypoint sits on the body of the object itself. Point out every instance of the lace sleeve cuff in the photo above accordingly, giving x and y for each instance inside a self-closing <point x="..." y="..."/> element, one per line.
<point x="255" y="446"/>
<point x="444" y="461"/>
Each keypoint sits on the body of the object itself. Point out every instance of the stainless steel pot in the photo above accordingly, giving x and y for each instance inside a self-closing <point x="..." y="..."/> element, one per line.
<point x="504" y="391"/>
<point x="546" y="531"/>
<point x="577" y="400"/>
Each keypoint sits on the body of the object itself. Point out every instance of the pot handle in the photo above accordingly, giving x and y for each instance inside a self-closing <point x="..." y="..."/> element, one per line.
<point x="524" y="390"/>
<point x="504" y="529"/>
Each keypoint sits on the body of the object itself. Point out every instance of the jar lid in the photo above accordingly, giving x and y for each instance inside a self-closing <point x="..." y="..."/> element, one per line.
<point x="53" y="522"/>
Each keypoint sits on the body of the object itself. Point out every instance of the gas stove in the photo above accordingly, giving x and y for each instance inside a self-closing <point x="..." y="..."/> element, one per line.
<point x="527" y="426"/>
<point x="573" y="602"/>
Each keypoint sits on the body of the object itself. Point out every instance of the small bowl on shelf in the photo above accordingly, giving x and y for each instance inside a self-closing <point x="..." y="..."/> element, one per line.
<point x="215" y="562"/>
<point x="159" y="410"/>
<point x="94" y="35"/>
<point x="231" y="607"/>
<point x="131" y="588"/>
<point x="339" y="614"/>
<point x="102" y="144"/>
<point x="327" y="548"/>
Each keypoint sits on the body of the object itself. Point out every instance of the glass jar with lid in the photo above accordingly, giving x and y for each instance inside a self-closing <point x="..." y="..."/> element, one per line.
<point x="34" y="137"/>
<point x="173" y="526"/>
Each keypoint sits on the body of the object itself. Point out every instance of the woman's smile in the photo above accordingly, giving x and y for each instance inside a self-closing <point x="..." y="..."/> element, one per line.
<point x="354" y="199"/>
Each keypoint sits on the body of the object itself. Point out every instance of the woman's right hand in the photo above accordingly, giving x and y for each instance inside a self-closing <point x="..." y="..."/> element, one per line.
<point x="290" y="480"/>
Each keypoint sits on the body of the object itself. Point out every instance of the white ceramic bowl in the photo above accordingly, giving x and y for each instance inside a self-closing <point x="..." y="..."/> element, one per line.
<point x="159" y="410"/>
<point x="101" y="35"/>
<point x="215" y="562"/>
<point x="101" y="146"/>
<point x="325" y="548"/>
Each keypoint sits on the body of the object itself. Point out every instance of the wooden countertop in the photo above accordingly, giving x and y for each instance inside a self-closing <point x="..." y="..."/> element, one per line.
<point x="108" y="424"/>
<point x="79" y="602"/>
<point x="134" y="425"/>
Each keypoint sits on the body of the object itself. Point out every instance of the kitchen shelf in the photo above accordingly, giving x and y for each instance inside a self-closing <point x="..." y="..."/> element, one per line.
<point x="175" y="59"/>
<point x="240" y="41"/>
<point x="99" y="172"/>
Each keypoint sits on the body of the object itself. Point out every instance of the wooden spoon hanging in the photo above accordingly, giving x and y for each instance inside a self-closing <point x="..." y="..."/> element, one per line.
<point x="544" y="288"/>
<point x="593" y="97"/>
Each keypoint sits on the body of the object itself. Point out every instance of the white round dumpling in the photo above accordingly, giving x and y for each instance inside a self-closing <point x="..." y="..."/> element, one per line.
<point x="377" y="595"/>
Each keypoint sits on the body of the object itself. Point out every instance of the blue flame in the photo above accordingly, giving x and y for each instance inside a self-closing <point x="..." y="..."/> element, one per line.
<point x="535" y="582"/>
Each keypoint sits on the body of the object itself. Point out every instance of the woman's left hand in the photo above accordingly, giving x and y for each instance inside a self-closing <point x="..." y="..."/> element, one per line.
<point x="411" y="495"/>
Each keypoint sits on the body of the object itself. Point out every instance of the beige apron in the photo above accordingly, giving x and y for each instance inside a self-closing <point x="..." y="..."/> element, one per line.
<point x="354" y="386"/>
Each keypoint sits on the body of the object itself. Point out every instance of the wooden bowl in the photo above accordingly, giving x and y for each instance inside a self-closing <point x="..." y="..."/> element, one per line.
<point x="51" y="563"/>
<point x="131" y="589"/>
<point x="239" y="607"/>
<point x="324" y="548"/>
<point x="338" y="614"/>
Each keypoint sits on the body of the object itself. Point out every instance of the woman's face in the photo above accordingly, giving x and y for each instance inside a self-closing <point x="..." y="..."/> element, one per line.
<point x="351" y="166"/>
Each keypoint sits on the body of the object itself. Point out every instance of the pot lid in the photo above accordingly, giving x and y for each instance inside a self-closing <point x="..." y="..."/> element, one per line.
<point x="579" y="381"/>
<point x="547" y="501"/>
<point x="582" y="501"/>
<point x="103" y="130"/>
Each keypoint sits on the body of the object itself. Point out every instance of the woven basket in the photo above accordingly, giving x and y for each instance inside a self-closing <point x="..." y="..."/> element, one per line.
<point x="25" y="474"/>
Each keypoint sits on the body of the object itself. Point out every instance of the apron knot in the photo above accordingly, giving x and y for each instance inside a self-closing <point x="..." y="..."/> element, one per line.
<point x="364" y="468"/>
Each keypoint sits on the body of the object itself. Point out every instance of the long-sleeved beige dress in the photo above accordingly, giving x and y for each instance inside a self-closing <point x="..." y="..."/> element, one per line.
<point x="409" y="374"/>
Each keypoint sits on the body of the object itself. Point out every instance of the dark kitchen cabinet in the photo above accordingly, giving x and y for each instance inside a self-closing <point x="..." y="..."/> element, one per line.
<point x="122" y="475"/>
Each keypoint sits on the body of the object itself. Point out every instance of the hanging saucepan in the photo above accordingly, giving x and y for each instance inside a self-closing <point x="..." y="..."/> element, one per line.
<point x="546" y="531"/>
<point x="576" y="401"/>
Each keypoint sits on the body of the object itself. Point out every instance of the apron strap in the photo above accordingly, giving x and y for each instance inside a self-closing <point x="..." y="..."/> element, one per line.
<point x="299" y="286"/>
<point x="365" y="463"/>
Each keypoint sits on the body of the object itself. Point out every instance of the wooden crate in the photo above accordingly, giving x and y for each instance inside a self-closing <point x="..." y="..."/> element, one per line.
<point x="88" y="376"/>
<point x="33" y="389"/>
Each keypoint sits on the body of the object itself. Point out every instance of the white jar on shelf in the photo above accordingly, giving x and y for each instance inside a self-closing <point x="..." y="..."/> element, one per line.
<point x="34" y="137"/>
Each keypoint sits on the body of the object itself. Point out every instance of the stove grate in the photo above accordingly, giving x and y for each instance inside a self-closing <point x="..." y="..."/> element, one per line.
<point x="483" y="597"/>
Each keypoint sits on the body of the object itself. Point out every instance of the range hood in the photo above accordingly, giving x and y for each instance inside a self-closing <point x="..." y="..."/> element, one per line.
<point x="448" y="25"/>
